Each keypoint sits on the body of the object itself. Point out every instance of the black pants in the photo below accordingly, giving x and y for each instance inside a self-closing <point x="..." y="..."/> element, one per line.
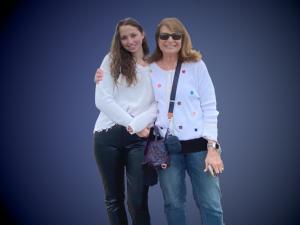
<point x="115" y="151"/>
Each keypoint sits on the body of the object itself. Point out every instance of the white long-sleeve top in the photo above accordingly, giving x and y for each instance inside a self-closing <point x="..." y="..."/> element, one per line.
<point x="125" y="105"/>
<point x="195" y="114"/>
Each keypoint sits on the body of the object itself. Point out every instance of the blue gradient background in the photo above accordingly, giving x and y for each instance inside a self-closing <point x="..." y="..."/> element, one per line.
<point x="49" y="53"/>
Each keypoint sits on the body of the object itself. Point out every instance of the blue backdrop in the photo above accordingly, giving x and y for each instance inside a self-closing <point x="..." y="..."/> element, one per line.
<point x="49" y="53"/>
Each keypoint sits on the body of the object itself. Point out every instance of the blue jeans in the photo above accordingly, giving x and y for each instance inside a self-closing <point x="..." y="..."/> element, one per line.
<point x="206" y="189"/>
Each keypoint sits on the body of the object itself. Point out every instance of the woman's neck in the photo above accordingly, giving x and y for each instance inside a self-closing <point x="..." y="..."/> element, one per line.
<point x="139" y="57"/>
<point x="168" y="62"/>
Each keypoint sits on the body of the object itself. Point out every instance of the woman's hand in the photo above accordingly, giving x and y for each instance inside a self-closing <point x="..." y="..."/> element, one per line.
<point x="98" y="75"/>
<point x="143" y="133"/>
<point x="214" y="160"/>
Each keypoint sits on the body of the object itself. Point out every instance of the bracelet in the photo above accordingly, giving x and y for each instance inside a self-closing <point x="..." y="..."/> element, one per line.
<point x="215" y="146"/>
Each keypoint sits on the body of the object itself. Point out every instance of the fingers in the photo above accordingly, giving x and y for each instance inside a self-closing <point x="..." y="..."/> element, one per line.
<point x="218" y="167"/>
<point x="222" y="168"/>
<point x="147" y="132"/>
<point x="211" y="170"/>
<point x="214" y="168"/>
<point x="143" y="133"/>
<point x="99" y="75"/>
<point x="206" y="166"/>
<point x="129" y="129"/>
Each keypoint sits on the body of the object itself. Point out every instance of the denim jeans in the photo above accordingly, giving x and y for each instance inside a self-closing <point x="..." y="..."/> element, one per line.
<point x="206" y="189"/>
<point x="117" y="151"/>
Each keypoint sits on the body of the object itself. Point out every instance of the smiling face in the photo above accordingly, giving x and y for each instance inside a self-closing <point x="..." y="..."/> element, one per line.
<point x="169" y="46"/>
<point x="131" y="38"/>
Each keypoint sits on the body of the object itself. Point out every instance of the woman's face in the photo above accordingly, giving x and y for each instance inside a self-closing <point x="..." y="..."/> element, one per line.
<point x="169" y="46"/>
<point x="131" y="38"/>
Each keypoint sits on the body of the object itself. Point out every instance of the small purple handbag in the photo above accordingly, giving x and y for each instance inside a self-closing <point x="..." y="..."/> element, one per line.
<point x="156" y="154"/>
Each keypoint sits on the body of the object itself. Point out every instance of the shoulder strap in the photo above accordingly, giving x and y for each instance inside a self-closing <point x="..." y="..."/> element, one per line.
<point x="173" y="91"/>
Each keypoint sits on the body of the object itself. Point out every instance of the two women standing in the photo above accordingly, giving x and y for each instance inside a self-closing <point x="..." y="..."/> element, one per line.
<point x="195" y="120"/>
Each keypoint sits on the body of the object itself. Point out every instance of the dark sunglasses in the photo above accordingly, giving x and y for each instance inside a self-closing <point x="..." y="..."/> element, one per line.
<point x="175" y="36"/>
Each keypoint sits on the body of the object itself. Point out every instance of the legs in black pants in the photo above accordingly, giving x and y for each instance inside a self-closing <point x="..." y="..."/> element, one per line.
<point x="116" y="150"/>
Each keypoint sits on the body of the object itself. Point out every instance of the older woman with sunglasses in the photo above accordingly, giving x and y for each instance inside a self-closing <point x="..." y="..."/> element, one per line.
<point x="194" y="123"/>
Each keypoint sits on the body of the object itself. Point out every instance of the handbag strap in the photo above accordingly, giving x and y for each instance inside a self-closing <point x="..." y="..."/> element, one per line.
<point x="156" y="133"/>
<point x="173" y="91"/>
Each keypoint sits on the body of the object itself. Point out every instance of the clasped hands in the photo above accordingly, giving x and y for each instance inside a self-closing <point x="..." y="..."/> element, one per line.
<point x="143" y="133"/>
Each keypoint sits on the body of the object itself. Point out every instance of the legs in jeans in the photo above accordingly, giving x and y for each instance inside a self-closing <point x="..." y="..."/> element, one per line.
<point x="172" y="183"/>
<point x="115" y="150"/>
<point x="206" y="189"/>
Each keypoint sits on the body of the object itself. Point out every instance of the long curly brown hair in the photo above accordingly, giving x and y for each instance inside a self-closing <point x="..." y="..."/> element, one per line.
<point x="122" y="61"/>
<point x="186" y="53"/>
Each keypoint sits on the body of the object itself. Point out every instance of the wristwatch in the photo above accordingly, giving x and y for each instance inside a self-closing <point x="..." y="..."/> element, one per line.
<point x="215" y="145"/>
